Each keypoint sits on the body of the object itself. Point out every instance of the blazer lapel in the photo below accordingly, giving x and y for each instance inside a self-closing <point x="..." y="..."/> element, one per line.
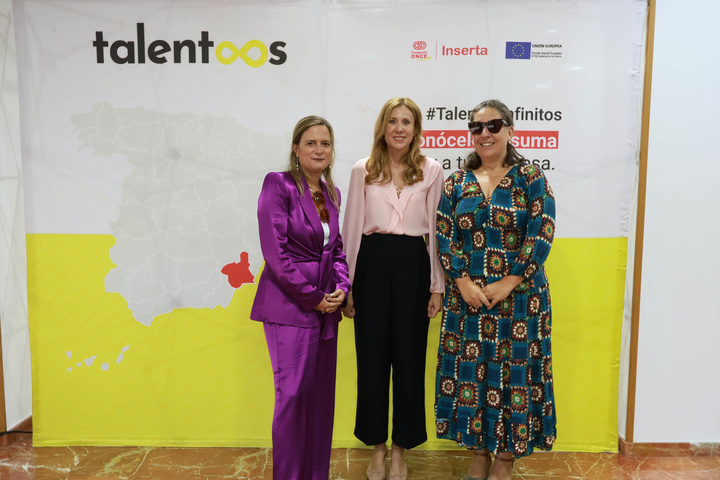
<point x="334" y="218"/>
<point x="311" y="214"/>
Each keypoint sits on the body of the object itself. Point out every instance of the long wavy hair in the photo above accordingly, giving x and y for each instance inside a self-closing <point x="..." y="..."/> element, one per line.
<point x="378" y="165"/>
<point x="512" y="157"/>
<point x="294" y="166"/>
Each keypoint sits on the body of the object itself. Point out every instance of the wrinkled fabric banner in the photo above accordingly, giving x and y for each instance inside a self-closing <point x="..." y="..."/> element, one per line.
<point x="148" y="126"/>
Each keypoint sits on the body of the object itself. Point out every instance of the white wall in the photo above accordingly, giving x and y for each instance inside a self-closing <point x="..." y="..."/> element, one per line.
<point x="678" y="387"/>
<point x="13" y="276"/>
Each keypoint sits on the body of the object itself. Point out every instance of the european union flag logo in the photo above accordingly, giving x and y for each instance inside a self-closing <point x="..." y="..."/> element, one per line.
<point x="517" y="50"/>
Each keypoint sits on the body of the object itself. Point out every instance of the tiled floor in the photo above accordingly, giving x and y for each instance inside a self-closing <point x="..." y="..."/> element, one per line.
<point x="22" y="461"/>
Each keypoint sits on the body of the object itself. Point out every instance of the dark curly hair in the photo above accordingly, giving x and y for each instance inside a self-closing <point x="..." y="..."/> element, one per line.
<point x="513" y="157"/>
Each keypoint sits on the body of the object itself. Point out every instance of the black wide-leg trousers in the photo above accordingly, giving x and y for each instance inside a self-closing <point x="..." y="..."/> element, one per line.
<point x="391" y="291"/>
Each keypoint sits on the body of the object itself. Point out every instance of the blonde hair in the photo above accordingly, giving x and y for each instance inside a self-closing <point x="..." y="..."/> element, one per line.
<point x="378" y="165"/>
<point x="294" y="166"/>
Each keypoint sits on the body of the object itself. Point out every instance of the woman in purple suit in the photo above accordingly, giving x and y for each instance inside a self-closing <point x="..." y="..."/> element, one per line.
<point x="303" y="285"/>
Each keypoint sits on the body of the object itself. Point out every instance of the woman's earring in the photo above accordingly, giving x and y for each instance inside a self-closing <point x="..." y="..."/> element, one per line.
<point x="297" y="162"/>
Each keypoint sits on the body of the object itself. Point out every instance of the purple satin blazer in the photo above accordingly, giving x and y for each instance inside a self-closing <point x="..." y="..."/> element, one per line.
<point x="299" y="271"/>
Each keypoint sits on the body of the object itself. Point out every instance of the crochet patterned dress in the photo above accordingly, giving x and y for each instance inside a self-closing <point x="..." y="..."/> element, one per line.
<point x="494" y="385"/>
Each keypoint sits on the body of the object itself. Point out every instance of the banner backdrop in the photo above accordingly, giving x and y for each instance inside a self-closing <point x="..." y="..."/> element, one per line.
<point x="147" y="127"/>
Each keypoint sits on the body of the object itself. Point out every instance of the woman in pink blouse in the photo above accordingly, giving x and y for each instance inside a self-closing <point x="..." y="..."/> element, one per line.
<point x="397" y="281"/>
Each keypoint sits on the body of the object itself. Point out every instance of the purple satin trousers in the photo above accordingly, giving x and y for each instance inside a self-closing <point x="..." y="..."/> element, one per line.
<point x="304" y="367"/>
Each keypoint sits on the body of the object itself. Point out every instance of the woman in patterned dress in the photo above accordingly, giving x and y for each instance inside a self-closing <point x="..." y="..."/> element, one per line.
<point x="495" y="226"/>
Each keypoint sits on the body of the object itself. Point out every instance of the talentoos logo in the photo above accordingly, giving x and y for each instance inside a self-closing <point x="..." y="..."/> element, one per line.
<point x="254" y="52"/>
<point x="419" y="51"/>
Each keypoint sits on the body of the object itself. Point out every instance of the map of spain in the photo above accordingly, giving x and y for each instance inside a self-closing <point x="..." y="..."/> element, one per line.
<point x="186" y="228"/>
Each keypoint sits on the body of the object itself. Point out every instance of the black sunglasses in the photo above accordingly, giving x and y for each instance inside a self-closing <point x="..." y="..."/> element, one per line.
<point x="493" y="126"/>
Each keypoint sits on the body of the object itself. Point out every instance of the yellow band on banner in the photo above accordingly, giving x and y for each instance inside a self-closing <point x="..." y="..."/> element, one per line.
<point x="202" y="377"/>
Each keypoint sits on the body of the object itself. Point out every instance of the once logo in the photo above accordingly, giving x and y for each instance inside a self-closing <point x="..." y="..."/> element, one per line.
<point x="418" y="51"/>
<point x="135" y="51"/>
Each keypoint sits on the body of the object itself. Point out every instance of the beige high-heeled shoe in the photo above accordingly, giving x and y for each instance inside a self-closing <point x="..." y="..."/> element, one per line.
<point x="398" y="475"/>
<point x="401" y="475"/>
<point x="376" y="474"/>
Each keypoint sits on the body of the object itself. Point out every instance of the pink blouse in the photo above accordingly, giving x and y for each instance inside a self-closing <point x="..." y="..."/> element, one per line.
<point x="376" y="208"/>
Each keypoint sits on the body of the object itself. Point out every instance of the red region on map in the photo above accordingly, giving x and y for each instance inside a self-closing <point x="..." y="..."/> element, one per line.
<point x="239" y="272"/>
